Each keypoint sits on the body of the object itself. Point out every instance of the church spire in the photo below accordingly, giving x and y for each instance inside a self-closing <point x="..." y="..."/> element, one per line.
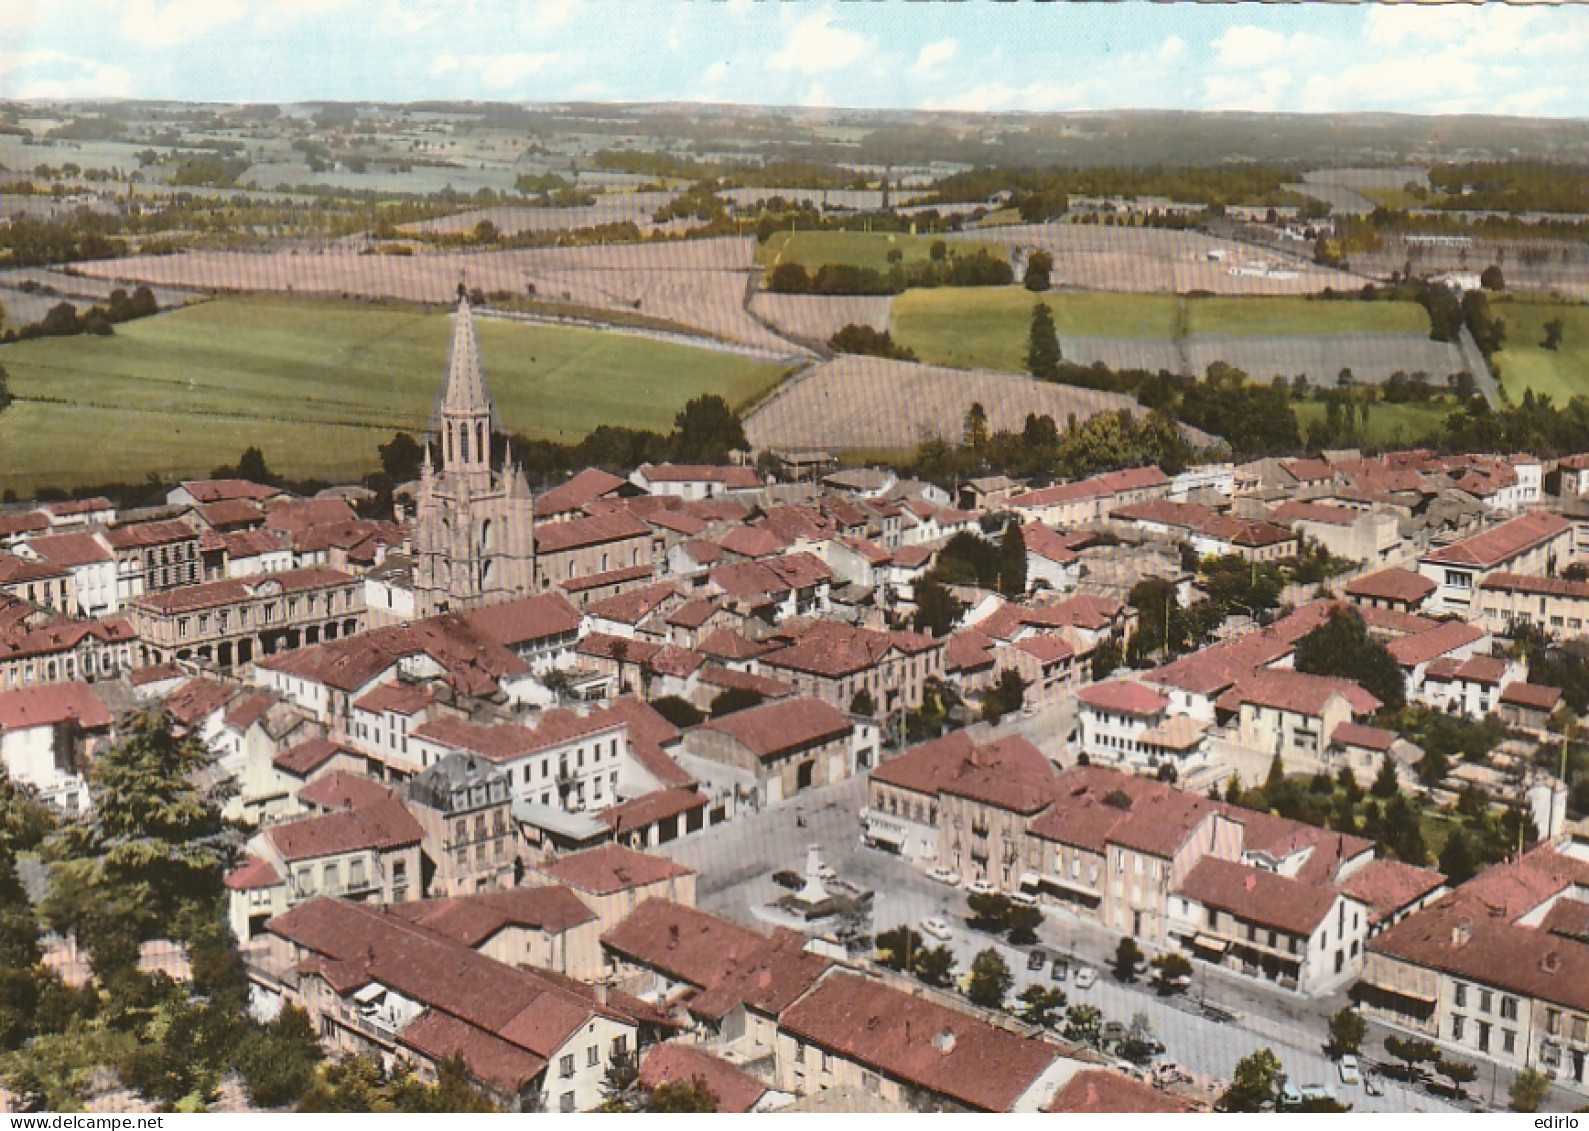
<point x="465" y="406"/>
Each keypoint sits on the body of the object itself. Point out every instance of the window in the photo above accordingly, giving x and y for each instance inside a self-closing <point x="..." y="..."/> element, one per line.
<point x="800" y="1052"/>
<point x="1580" y="1029"/>
<point x="871" y="1083"/>
<point x="592" y="1056"/>
<point x="565" y="1066"/>
<point x="1461" y="997"/>
<point x="566" y="1102"/>
<point x="1508" y="1041"/>
<point x="1485" y="998"/>
<point x="1458" y="1024"/>
<point x="620" y="1045"/>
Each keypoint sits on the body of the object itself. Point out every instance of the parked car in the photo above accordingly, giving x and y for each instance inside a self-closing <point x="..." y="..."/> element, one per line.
<point x="981" y="887"/>
<point x="945" y="876"/>
<point x="1025" y="899"/>
<point x="1289" y="1097"/>
<point x="1371" y="1084"/>
<point x="1350" y="1073"/>
<point x="1112" y="1033"/>
<point x="790" y="880"/>
<point x="1086" y="978"/>
<point x="1061" y="968"/>
<point x="937" y="928"/>
<point x="1037" y="959"/>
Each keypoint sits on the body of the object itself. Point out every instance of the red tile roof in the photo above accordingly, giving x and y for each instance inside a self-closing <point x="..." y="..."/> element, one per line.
<point x="833" y="650"/>
<point x="380" y="827"/>
<point x="1125" y="696"/>
<point x="1287" y="513"/>
<point x="196" y="700"/>
<point x="1258" y="896"/>
<point x="919" y="1042"/>
<point x="252" y="874"/>
<point x="775" y="730"/>
<point x="51" y="705"/>
<point x="1531" y="584"/>
<point x="733" y="478"/>
<point x="634" y="606"/>
<point x="595" y="530"/>
<point x="1533" y="695"/>
<point x="343" y="789"/>
<point x="1304" y="694"/>
<point x="649" y="808"/>
<point x="69" y="550"/>
<point x="1368" y="738"/>
<point x="1094" y="1091"/>
<point x="231" y="512"/>
<point x="573" y="493"/>
<point x="752" y="542"/>
<point x="474" y="919"/>
<point x="1388" y="886"/>
<point x="1501" y="543"/>
<point x="249" y="709"/>
<point x="493" y="1061"/>
<point x="591" y="581"/>
<point x="215" y="594"/>
<point x="214" y="490"/>
<point x="506" y="742"/>
<point x="1045" y="542"/>
<point x="1410" y="651"/>
<point x="398" y="698"/>
<point x="612" y="868"/>
<point x="1307" y="470"/>
<point x="140" y="535"/>
<point x="1219" y="666"/>
<point x="1477" y="669"/>
<point x="309" y="755"/>
<point x="1010" y="773"/>
<point x="735" y="1091"/>
<point x="726" y="644"/>
<point x="1400" y="585"/>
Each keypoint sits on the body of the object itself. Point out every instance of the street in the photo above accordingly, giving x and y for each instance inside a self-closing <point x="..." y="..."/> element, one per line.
<point x="735" y="862"/>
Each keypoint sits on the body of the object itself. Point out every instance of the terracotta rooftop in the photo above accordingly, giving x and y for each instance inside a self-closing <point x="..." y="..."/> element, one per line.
<point x="774" y="730"/>
<point x="1535" y="585"/>
<point x="51" y="705"/>
<point x="342" y="789"/>
<point x="1501" y="543"/>
<point x="1368" y="738"/>
<point x="592" y="530"/>
<point x="196" y="700"/>
<point x="1401" y="585"/>
<point x="1010" y="773"/>
<point x="1094" y="1091"/>
<point x="1388" y="886"/>
<point x="1259" y="896"/>
<point x="506" y="741"/>
<point x="919" y="1042"/>
<point x="217" y="594"/>
<point x="1287" y="690"/>
<point x="1410" y="651"/>
<point x="611" y="869"/>
<point x="736" y="1091"/>
<point x="307" y="756"/>
<point x="1124" y="696"/>
<point x="1533" y="695"/>
<point x="215" y="490"/>
<point x="573" y="493"/>
<point x="380" y="827"/>
<point x="70" y="550"/>
<point x="398" y="698"/>
<point x="139" y="535"/>
<point x="474" y="919"/>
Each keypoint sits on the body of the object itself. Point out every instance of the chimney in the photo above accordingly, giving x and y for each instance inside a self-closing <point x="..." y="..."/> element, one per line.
<point x="1461" y="934"/>
<point x="1250" y="882"/>
<point x="601" y="993"/>
<point x="944" y="1042"/>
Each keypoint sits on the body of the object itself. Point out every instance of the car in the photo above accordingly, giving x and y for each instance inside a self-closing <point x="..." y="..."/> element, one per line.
<point x="1061" y="968"/>
<point x="1315" y="1093"/>
<point x="1290" y="1096"/>
<point x="1037" y="959"/>
<point x="945" y="876"/>
<point x="1350" y="1073"/>
<point x="937" y="928"/>
<point x="790" y="880"/>
<point x="826" y="872"/>
<point x="1086" y="978"/>
<point x="1024" y="898"/>
<point x="981" y="887"/>
<point x="1372" y="1086"/>
<point x="1113" y="1032"/>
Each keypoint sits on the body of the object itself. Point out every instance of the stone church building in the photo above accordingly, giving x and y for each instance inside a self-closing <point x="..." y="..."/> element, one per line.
<point x="474" y="535"/>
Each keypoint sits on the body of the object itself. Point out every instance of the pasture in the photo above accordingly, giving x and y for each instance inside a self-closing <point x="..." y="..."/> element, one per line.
<point x="860" y="249"/>
<point x="1389" y="425"/>
<point x="1562" y="373"/>
<point x="317" y="386"/>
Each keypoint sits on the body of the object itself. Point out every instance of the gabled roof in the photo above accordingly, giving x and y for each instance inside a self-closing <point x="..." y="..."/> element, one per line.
<point x="1094" y="1091"/>
<point x="593" y="530"/>
<point x="573" y="493"/>
<point x="51" y="705"/>
<point x="1125" y="696"/>
<point x="381" y="827"/>
<point x="673" y="1063"/>
<point x="1402" y="585"/>
<point x="610" y="869"/>
<point x="772" y="730"/>
<point x="1304" y="694"/>
<point x="1501" y="543"/>
<point x="474" y="919"/>
<point x="196" y="700"/>
<point x="1258" y="896"/>
<point x="1533" y="695"/>
<point x="1410" y="651"/>
<point x="919" y="1042"/>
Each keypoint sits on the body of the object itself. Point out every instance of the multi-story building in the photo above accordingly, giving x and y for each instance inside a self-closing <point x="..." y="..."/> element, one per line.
<point x="152" y="557"/>
<point x="234" y="621"/>
<point x="1554" y="605"/>
<point x="775" y="751"/>
<point x="37" y="582"/>
<point x="1535" y="543"/>
<point x="837" y="662"/>
<point x="462" y="805"/>
<point x="92" y="566"/>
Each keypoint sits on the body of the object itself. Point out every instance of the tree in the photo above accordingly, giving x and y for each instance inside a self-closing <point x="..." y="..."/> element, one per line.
<point x="1042" y="348"/>
<point x="680" y="712"/>
<point x="1012" y="562"/>
<point x="5" y="388"/>
<point x="735" y="699"/>
<point x="938" y="251"/>
<point x="1553" y="333"/>
<point x="1458" y="859"/>
<point x="1386" y="784"/>
<point x="1529" y="1090"/>
<point x="1492" y="279"/>
<point x="935" y="966"/>
<point x="1342" y="647"/>
<point x="1413" y="1052"/>
<point x="990" y="910"/>
<point x="1039" y="270"/>
<point x="976" y="428"/>
<point x="1459" y="1072"/>
<point x="401" y="457"/>
<point x="1139" y="1045"/>
<point x="1347" y="1030"/>
<point x="854" y="338"/>
<point x="897" y="947"/>
<point x="990" y="980"/>
<point x="1083" y="1025"/>
<point x="278" y="1063"/>
<point x="1128" y="956"/>
<point x="861" y="703"/>
<point x="936" y="609"/>
<point x="1254" y="1083"/>
<point x="1174" y="969"/>
<point x="1041" y="1005"/>
<point x="1106" y="657"/>
<point x="706" y="430"/>
<point x="19" y="927"/>
<point x="1402" y="834"/>
<point x="1005" y="697"/>
<point x="250" y="466"/>
<point x="1023" y="922"/>
<point x="681" y="1096"/>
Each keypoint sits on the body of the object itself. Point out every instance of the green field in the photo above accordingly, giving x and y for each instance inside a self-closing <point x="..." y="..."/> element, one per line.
<point x="1258" y="317"/>
<point x="1388" y="424"/>
<point x="1562" y="373"/>
<point x="317" y="386"/>
<point x="988" y="328"/>
<point x="860" y="249"/>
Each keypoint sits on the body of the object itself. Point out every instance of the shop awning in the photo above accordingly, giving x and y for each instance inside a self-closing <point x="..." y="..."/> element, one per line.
<point x="893" y="836"/>
<point x="1210" y="943"/>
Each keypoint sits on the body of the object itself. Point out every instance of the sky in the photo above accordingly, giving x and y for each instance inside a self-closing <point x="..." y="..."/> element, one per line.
<point x="973" y="55"/>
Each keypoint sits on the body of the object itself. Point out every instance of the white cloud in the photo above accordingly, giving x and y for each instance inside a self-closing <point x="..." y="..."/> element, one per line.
<point x="714" y="74"/>
<point x="278" y="14"/>
<point x="176" y="21"/>
<point x="1172" y="48"/>
<point x="503" y="71"/>
<point x="817" y="95"/>
<point x="993" y="96"/>
<point x="406" y="20"/>
<point x="1252" y="92"/>
<point x="22" y="60"/>
<point x="94" y="80"/>
<point x="935" y="53"/>
<point x="445" y="64"/>
<point x="1248" y="46"/>
<point x="815" y="45"/>
<point x="548" y="14"/>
